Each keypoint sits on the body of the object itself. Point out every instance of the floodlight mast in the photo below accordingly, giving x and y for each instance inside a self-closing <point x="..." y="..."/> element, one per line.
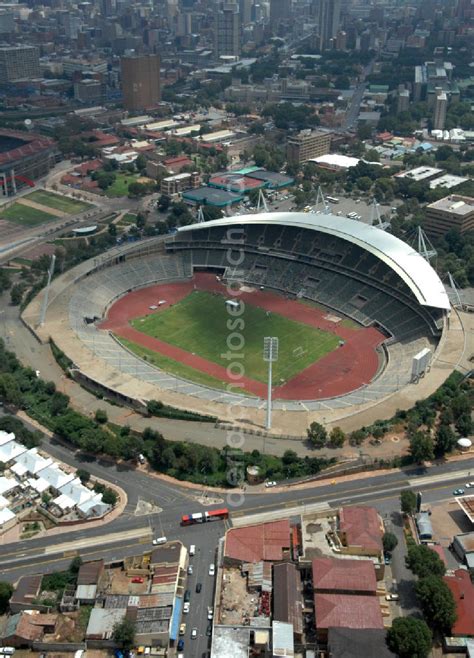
<point x="46" y="290"/>
<point x="270" y="354"/>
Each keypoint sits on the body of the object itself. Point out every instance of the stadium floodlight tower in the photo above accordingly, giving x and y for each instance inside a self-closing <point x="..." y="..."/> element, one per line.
<point x="46" y="290"/>
<point x="200" y="215"/>
<point x="262" y="205"/>
<point x="375" y="219"/>
<point x="321" y="204"/>
<point x="270" y="355"/>
<point x="425" y="248"/>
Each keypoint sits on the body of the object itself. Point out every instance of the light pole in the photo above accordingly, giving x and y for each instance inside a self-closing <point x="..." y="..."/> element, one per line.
<point x="270" y="354"/>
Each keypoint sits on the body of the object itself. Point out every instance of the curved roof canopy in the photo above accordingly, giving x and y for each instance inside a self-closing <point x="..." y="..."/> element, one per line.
<point x="415" y="271"/>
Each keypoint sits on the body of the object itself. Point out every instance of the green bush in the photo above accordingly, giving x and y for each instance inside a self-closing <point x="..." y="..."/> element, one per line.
<point x="157" y="408"/>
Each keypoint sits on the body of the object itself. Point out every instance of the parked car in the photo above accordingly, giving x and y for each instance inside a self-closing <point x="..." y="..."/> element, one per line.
<point x="180" y="645"/>
<point x="186" y="607"/>
<point x="212" y="570"/>
<point x="469" y="485"/>
<point x="137" y="579"/>
<point x="198" y="587"/>
<point x="187" y="596"/>
<point x="392" y="597"/>
<point x="190" y="570"/>
<point x="182" y="629"/>
<point x="159" y="540"/>
<point x="209" y="630"/>
<point x="271" y="483"/>
<point x="210" y="613"/>
<point x="458" y="492"/>
<point x="194" y="633"/>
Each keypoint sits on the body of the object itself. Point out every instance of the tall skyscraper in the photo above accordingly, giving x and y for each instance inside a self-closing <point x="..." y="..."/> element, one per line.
<point x="329" y="17"/>
<point x="140" y="81"/>
<point x="245" y="9"/>
<point x="279" y="10"/>
<point x="19" y="63"/>
<point x="440" y="108"/>
<point x="227" y="32"/>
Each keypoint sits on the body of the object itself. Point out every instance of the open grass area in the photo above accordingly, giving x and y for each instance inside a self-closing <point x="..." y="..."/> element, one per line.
<point x="201" y="324"/>
<point x="174" y="367"/>
<point x="17" y="213"/>
<point x="128" y="218"/>
<point x="120" y="186"/>
<point x="59" y="202"/>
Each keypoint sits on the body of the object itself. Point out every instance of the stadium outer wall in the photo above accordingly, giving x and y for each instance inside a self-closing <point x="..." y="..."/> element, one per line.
<point x="132" y="391"/>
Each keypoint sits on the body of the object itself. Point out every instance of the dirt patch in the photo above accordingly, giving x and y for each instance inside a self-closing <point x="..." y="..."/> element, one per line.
<point x="39" y="206"/>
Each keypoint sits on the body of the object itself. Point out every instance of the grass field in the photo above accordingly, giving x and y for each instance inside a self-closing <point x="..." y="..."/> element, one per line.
<point x="64" y="203"/>
<point x="175" y="367"/>
<point x="25" y="215"/>
<point x="198" y="324"/>
<point x="120" y="186"/>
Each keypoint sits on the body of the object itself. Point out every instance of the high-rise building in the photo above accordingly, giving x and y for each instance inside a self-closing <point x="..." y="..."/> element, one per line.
<point x="227" y="32"/>
<point x="441" y="105"/>
<point x="7" y="22"/>
<point x="403" y="100"/>
<point x="245" y="9"/>
<point x="451" y="212"/>
<point x="19" y="63"/>
<point x="329" y="17"/>
<point x="280" y="10"/>
<point x="140" y="81"/>
<point x="306" y="145"/>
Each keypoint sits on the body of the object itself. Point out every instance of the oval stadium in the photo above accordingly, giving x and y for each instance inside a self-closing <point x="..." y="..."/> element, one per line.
<point x="182" y="318"/>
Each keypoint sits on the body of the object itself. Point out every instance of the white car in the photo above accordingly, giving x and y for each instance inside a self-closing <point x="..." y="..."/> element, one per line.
<point x="159" y="540"/>
<point x="212" y="570"/>
<point x="186" y="607"/>
<point x="190" y="570"/>
<point x="468" y="485"/>
<point x="392" y="597"/>
<point x="271" y="483"/>
<point x="194" y="633"/>
<point x="210" y="613"/>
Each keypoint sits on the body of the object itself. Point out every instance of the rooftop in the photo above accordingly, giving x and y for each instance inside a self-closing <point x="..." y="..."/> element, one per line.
<point x="287" y="599"/>
<point x="447" y="181"/>
<point x="343" y="575"/>
<point x="462" y="590"/>
<point x="362" y="527"/>
<point x="358" y="643"/>
<point x="420" y="173"/>
<point x="347" y="611"/>
<point x="454" y="204"/>
<point x="211" y="196"/>
<point x="230" y="642"/>
<point x="266" y="541"/>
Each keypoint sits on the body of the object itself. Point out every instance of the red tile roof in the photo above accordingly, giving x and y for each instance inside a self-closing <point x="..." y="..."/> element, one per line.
<point x="90" y="165"/>
<point x="463" y="592"/>
<point x="235" y="182"/>
<point x="361" y="526"/>
<point x="259" y="542"/>
<point x="181" y="160"/>
<point x="344" y="575"/>
<point x="347" y="611"/>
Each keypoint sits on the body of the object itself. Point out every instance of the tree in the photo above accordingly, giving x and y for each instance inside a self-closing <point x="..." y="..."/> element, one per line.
<point x="389" y="542"/>
<point x="408" y="501"/>
<point x="58" y="403"/>
<point x="123" y="633"/>
<point x="317" y="435"/>
<point x="74" y="566"/>
<point x="409" y="638"/>
<point x="336" y="437"/>
<point x="6" y="591"/>
<point x="421" y="447"/>
<point x="83" y="475"/>
<point x="437" y="603"/>
<point x="16" y="293"/>
<point x="101" y="416"/>
<point x="445" y="440"/>
<point x="423" y="561"/>
<point x="109" y="497"/>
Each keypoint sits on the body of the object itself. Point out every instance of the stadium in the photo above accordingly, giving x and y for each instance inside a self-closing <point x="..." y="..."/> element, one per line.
<point x="24" y="157"/>
<point x="351" y="305"/>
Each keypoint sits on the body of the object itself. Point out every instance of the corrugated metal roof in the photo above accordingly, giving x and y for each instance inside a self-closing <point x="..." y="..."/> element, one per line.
<point x="399" y="256"/>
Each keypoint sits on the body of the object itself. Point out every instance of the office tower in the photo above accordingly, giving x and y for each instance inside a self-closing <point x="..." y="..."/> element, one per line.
<point x="245" y="10"/>
<point x="7" y="22"/>
<point x="341" y="40"/>
<point x="19" y="63"/>
<point x="403" y="99"/>
<point x="452" y="212"/>
<point x="280" y="10"/>
<point x="328" y="19"/>
<point x="440" y="107"/>
<point x="306" y="145"/>
<point x="140" y="81"/>
<point x="227" y="32"/>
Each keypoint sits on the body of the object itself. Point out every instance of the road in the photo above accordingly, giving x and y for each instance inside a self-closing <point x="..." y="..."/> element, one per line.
<point x="353" y="110"/>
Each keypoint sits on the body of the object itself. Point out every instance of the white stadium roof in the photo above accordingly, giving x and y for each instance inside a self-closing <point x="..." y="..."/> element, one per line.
<point x="417" y="273"/>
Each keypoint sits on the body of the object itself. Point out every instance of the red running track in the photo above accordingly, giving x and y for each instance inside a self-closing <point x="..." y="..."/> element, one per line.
<point x="343" y="370"/>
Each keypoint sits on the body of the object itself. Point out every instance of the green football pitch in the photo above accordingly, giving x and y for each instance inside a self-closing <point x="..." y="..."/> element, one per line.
<point x="201" y="324"/>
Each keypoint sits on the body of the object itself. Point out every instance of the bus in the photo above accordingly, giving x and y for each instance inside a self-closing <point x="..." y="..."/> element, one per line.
<point x="205" y="517"/>
<point x="332" y="199"/>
